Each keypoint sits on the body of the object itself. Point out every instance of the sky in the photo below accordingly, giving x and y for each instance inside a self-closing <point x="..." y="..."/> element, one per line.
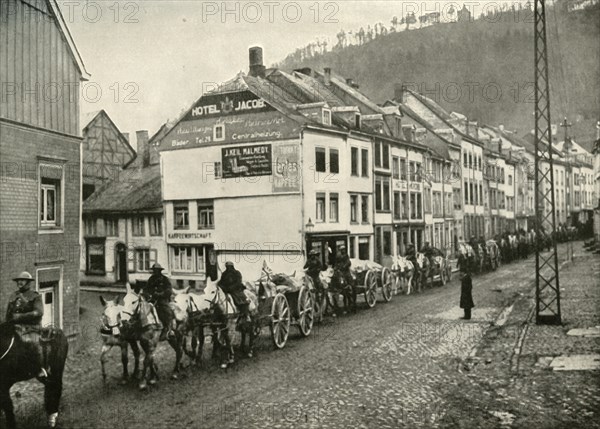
<point x="149" y="60"/>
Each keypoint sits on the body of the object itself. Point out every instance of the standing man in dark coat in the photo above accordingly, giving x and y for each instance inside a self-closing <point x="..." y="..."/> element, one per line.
<point x="25" y="310"/>
<point x="231" y="284"/>
<point x="159" y="291"/>
<point x="465" y="263"/>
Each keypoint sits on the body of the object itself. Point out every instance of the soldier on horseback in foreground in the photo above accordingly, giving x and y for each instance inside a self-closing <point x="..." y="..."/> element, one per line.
<point x="25" y="310"/>
<point x="231" y="284"/>
<point x="159" y="291"/>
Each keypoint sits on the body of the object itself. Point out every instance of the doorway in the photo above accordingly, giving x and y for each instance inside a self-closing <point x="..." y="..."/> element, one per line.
<point x="121" y="263"/>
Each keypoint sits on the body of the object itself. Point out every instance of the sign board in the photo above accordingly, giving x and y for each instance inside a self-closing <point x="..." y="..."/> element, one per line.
<point x="286" y="164"/>
<point x="189" y="235"/>
<point x="246" y="161"/>
<point x="233" y="103"/>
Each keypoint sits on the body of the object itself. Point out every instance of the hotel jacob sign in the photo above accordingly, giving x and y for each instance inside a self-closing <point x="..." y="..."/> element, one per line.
<point x="227" y="104"/>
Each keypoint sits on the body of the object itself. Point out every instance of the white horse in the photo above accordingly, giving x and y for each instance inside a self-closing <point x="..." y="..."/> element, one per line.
<point x="403" y="271"/>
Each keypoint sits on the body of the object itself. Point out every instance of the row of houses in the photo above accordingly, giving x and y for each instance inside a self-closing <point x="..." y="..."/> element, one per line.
<point x="276" y="163"/>
<point x="270" y="165"/>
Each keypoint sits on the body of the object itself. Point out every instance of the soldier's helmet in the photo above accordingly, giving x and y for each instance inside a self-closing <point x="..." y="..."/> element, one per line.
<point x="229" y="264"/>
<point x="157" y="267"/>
<point x="24" y="276"/>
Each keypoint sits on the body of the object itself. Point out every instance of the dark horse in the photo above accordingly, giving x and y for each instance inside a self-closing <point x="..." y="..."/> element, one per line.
<point x="17" y="365"/>
<point x="341" y="286"/>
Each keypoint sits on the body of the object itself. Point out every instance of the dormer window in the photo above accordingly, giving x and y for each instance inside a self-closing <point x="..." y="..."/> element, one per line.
<point x="219" y="132"/>
<point x="326" y="117"/>
<point x="357" y="121"/>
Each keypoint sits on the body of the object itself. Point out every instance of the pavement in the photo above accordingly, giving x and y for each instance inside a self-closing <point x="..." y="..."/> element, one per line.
<point x="410" y="363"/>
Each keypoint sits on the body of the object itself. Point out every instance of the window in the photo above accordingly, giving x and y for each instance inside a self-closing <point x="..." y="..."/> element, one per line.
<point x="386" y="155"/>
<point x="457" y="199"/>
<point x="219" y="132"/>
<point x="378" y="202"/>
<point x="182" y="259"/>
<point x="320" y="159"/>
<point x="142" y="259"/>
<point x="377" y="154"/>
<point x="218" y="170"/>
<point x="416" y="208"/>
<point x="354" y="161"/>
<point x="333" y="207"/>
<point x="364" y="162"/>
<point x="181" y="216"/>
<point x="320" y="214"/>
<point x="206" y="215"/>
<point x="200" y="265"/>
<point x="386" y="195"/>
<point x="480" y="194"/>
<point x="352" y="252"/>
<point x="326" y="117"/>
<point x="48" y="202"/>
<point x="137" y="226"/>
<point x="353" y="208"/>
<point x="437" y="204"/>
<point x="510" y="180"/>
<point x="357" y="121"/>
<point x="427" y="200"/>
<point x="465" y="160"/>
<point x="466" y="192"/>
<point x="403" y="169"/>
<point x="471" y="199"/>
<point x="334" y="161"/>
<point x="364" y="248"/>
<point x="364" y="208"/>
<point x="111" y="225"/>
<point x="382" y="194"/>
<point x="387" y="242"/>
<point x="404" y="205"/>
<point x="95" y="257"/>
<point x="470" y="160"/>
<point x="155" y="225"/>
<point x="90" y="227"/>
<point x="395" y="167"/>
<point x="397" y="205"/>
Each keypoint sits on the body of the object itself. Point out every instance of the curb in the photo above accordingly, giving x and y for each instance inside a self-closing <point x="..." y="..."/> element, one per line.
<point x="501" y="320"/>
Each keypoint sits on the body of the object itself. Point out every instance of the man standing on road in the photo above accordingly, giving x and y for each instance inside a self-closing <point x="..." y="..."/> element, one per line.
<point x="159" y="291"/>
<point x="25" y="310"/>
<point x="465" y="262"/>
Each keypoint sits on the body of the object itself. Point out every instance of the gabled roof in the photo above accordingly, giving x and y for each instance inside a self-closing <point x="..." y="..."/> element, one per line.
<point x="136" y="190"/>
<point x="53" y="6"/>
<point x="92" y="116"/>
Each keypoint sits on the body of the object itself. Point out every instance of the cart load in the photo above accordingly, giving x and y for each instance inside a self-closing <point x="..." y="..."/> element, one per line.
<point x="370" y="275"/>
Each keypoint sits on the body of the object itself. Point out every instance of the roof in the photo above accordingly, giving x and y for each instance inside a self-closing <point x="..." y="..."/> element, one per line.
<point x="91" y="117"/>
<point x="53" y="5"/>
<point x="136" y="190"/>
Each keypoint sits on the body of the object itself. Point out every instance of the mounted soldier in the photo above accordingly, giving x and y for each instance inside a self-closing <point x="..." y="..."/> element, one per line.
<point x="343" y="264"/>
<point x="25" y="310"/>
<point x="231" y="283"/>
<point x="427" y="250"/>
<point x="314" y="267"/>
<point x="158" y="291"/>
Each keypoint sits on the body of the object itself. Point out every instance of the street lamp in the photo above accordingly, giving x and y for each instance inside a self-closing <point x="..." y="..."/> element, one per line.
<point x="310" y="225"/>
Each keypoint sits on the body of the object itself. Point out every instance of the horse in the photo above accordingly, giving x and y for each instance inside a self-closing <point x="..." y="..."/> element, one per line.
<point x="338" y="285"/>
<point x="423" y="268"/>
<point x="137" y="320"/>
<point x="403" y="271"/>
<point x="17" y="365"/>
<point x="493" y="254"/>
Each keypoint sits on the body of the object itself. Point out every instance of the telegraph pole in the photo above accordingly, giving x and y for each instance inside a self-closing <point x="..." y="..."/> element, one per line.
<point x="547" y="286"/>
<point x="567" y="147"/>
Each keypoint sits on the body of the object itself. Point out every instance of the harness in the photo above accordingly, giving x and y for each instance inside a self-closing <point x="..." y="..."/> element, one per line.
<point x="12" y="342"/>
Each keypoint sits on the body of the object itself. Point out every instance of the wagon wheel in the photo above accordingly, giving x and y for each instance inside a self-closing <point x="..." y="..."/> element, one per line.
<point x="387" y="284"/>
<point x="306" y="311"/>
<point x="280" y="320"/>
<point x="370" y="288"/>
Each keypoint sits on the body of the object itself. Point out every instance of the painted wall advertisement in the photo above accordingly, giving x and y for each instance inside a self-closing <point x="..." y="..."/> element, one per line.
<point x="246" y="161"/>
<point x="286" y="163"/>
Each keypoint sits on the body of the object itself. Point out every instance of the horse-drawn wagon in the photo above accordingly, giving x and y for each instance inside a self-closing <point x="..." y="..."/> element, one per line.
<point x="368" y="277"/>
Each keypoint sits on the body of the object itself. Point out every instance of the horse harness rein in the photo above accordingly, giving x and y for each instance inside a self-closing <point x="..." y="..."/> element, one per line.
<point x="12" y="342"/>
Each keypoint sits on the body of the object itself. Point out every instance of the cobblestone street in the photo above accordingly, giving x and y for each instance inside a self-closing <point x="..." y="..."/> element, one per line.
<point x="409" y="363"/>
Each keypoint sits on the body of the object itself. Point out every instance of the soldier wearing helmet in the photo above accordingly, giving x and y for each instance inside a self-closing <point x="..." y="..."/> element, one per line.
<point x="231" y="283"/>
<point x="25" y="310"/>
<point x="343" y="264"/>
<point x="314" y="267"/>
<point x="158" y="290"/>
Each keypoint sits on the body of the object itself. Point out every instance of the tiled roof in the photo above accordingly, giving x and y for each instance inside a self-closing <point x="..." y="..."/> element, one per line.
<point x="136" y="190"/>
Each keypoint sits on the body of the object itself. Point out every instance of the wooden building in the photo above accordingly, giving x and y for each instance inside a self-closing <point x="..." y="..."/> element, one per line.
<point x="40" y="148"/>
<point x="106" y="152"/>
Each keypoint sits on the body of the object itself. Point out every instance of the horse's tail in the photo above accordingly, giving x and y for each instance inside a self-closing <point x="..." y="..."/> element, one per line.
<point x="58" y="347"/>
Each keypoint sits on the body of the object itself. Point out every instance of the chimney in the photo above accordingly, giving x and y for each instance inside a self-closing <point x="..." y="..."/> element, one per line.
<point x="399" y="90"/>
<point x="327" y="76"/>
<point x="305" y="70"/>
<point x="143" y="149"/>
<point x="257" y="69"/>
